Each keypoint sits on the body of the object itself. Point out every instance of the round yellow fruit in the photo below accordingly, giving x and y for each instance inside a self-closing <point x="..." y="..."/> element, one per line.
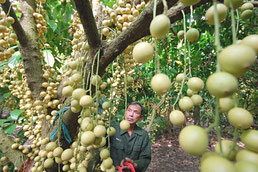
<point x="250" y="139"/>
<point x="107" y="163"/>
<point x="87" y="138"/>
<point x="247" y="14"/>
<point x="194" y="140"/>
<point x="186" y="103"/>
<point x="48" y="163"/>
<point x="99" y="131"/>
<point x="246" y="155"/>
<point x="177" y="118"/>
<point x="240" y="118"/>
<point x="143" y="52"/>
<point x="226" y="148"/>
<point x="247" y="6"/>
<point x="50" y="146"/>
<point x="217" y="164"/>
<point x="160" y="83"/>
<point x="111" y="131"/>
<point x="197" y="99"/>
<point x="245" y="166"/>
<point x="251" y="41"/>
<point x="195" y="84"/>
<point x="106" y="105"/>
<point x="96" y="80"/>
<point x="78" y="93"/>
<point x="86" y="101"/>
<point x="236" y="3"/>
<point x="67" y="91"/>
<point x="226" y="104"/>
<point x="180" y="77"/>
<point x="159" y="26"/>
<point x="67" y="154"/>
<point x="124" y="125"/>
<point x="58" y="152"/>
<point x="222" y="13"/>
<point x="222" y="84"/>
<point x="104" y="154"/>
<point x="180" y="34"/>
<point x="192" y="35"/>
<point x="237" y="59"/>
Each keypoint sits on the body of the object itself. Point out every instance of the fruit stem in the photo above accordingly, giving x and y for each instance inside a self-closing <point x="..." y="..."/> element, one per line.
<point x="109" y="119"/>
<point x="165" y="7"/>
<point x="154" y="111"/>
<point x="97" y="72"/>
<point x="180" y="92"/>
<point x="183" y="81"/>
<point x="235" y="136"/>
<point x="156" y="57"/>
<point x="188" y="45"/>
<point x="217" y="40"/>
<point x="191" y="17"/>
<point x="154" y="8"/>
<point x="189" y="59"/>
<point x="235" y="100"/>
<point x="237" y="25"/>
<point x="184" y="41"/>
<point x="233" y="23"/>
<point x="125" y="81"/>
<point x="217" y="126"/>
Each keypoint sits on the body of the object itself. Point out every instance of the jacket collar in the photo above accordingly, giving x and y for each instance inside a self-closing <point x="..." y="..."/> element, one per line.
<point x="137" y="130"/>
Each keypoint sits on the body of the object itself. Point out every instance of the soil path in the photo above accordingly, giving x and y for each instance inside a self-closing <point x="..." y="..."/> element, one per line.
<point x="167" y="156"/>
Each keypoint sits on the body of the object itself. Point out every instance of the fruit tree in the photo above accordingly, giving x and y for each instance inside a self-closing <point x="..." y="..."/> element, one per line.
<point x="70" y="68"/>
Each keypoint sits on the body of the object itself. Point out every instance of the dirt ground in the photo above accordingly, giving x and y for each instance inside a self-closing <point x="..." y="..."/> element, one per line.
<point x="167" y="156"/>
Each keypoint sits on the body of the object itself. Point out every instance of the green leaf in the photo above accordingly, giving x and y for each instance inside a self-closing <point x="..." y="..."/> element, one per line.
<point x="16" y="113"/>
<point x="10" y="128"/>
<point x="49" y="58"/>
<point x="6" y="95"/>
<point x="52" y="24"/>
<point x="14" y="60"/>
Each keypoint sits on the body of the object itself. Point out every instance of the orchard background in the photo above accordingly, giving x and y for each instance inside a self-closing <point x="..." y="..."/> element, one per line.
<point x="50" y="48"/>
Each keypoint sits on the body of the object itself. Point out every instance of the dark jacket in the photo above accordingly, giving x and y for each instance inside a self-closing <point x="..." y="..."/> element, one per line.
<point x="136" y="147"/>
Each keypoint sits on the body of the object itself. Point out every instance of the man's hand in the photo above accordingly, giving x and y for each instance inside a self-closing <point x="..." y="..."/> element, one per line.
<point x="127" y="160"/>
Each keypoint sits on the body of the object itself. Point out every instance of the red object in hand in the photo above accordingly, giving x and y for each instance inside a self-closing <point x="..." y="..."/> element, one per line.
<point x="130" y="165"/>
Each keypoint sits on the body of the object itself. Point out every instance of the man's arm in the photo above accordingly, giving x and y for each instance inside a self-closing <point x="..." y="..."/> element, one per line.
<point x="145" y="155"/>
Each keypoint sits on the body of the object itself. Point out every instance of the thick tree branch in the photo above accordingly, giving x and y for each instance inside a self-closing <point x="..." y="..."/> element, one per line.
<point x="16" y="25"/>
<point x="31" y="51"/>
<point x="137" y="30"/>
<point x="85" y="12"/>
<point x="15" y="156"/>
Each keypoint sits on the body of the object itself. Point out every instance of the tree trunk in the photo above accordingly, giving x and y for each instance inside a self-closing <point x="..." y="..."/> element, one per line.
<point x="15" y="156"/>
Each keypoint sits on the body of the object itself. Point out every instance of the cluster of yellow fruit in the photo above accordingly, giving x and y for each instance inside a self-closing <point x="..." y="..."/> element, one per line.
<point x="234" y="62"/>
<point x="4" y="164"/>
<point x="246" y="10"/>
<point x="7" y="37"/>
<point x="187" y="103"/>
<point x="78" y="42"/>
<point x="40" y="22"/>
<point x="121" y="16"/>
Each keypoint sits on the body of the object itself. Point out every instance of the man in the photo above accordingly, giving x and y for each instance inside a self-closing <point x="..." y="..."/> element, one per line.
<point x="133" y="145"/>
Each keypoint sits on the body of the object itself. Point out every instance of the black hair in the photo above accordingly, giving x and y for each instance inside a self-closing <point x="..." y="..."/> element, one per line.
<point x="137" y="103"/>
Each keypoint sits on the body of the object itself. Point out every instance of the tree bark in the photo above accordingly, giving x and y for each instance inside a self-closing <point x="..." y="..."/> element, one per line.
<point x="90" y="28"/>
<point x="14" y="156"/>
<point x="31" y="51"/>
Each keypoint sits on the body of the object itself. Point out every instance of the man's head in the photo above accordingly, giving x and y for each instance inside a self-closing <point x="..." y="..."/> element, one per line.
<point x="134" y="113"/>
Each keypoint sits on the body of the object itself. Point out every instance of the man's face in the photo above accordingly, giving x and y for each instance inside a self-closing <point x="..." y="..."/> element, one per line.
<point x="133" y="114"/>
